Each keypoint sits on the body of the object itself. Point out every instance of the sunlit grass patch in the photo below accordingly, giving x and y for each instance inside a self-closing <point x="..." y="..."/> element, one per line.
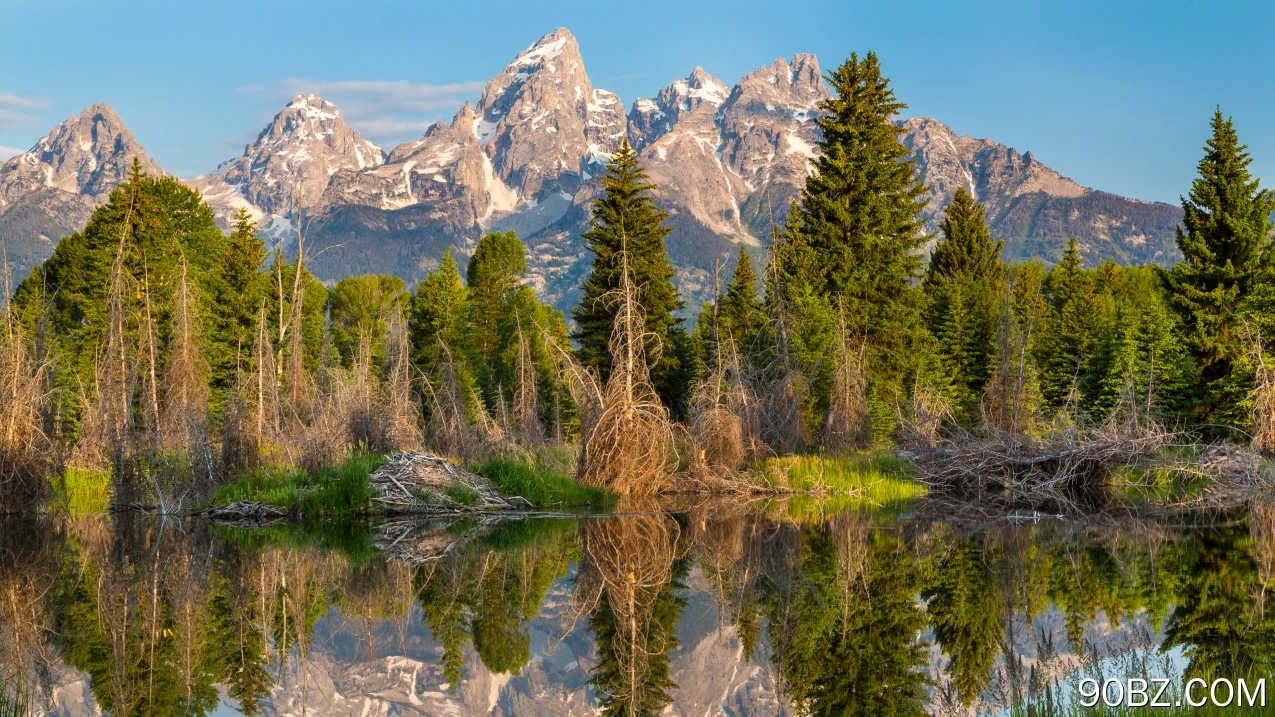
<point x="882" y="477"/>
<point x="332" y="490"/>
<point x="540" y="483"/>
<point x="82" y="491"/>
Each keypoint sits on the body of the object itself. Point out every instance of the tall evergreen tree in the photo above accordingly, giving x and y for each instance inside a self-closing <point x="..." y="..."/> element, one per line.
<point x="965" y="287"/>
<point x="626" y="218"/>
<point x="1073" y="323"/>
<point x="1225" y="239"/>
<point x="240" y="289"/>
<point x="857" y="232"/>
<point x="156" y="221"/>
<point x="740" y="308"/>
<point x="440" y="313"/>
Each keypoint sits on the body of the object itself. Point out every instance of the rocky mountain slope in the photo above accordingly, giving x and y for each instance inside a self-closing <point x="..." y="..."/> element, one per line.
<point x="728" y="160"/>
<point x="1034" y="208"/>
<point x="50" y="191"/>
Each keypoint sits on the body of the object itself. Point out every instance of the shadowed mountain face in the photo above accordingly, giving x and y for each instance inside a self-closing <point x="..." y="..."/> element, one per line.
<point x="728" y="161"/>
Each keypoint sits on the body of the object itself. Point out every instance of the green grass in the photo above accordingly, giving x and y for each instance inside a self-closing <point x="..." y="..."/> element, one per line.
<point x="85" y="491"/>
<point x="540" y="484"/>
<point x="879" y="477"/>
<point x="341" y="490"/>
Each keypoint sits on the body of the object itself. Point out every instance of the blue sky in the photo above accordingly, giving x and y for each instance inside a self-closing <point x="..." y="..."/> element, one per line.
<point x="1116" y="95"/>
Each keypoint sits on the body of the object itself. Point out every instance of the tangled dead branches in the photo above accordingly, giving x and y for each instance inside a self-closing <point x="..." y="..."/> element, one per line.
<point x="629" y="447"/>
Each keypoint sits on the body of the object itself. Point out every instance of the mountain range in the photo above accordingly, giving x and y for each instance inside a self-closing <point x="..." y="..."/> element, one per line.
<point x="727" y="162"/>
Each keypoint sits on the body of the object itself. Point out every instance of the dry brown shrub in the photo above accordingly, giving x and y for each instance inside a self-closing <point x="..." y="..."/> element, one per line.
<point x="849" y="424"/>
<point x="26" y="451"/>
<point x="921" y="427"/>
<point x="449" y="430"/>
<point x="629" y="449"/>
<point x="725" y="415"/>
<point x="399" y="426"/>
<point x="1262" y="412"/>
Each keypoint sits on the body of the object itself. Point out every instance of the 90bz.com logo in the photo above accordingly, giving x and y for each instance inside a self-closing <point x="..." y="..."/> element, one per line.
<point x="1136" y="692"/>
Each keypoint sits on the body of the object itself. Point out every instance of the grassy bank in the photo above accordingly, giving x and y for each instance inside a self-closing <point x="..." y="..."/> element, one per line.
<point x="341" y="490"/>
<point x="541" y="484"/>
<point x="82" y="491"/>
<point x="880" y="477"/>
<point x="345" y="491"/>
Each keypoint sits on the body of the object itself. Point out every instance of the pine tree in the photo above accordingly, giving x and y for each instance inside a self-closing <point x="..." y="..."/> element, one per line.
<point x="857" y="232"/>
<point x="1225" y="239"/>
<point x="240" y="287"/>
<point x="965" y="285"/>
<point x="740" y="308"/>
<point x="164" y="221"/>
<point x="1072" y="326"/>
<point x="626" y="218"/>
<point x="440" y="313"/>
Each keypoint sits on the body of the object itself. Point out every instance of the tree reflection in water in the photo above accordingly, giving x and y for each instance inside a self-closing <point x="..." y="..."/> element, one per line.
<point x="848" y="615"/>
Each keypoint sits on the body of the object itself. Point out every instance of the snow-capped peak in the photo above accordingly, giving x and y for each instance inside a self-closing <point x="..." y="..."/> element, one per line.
<point x="545" y="49"/>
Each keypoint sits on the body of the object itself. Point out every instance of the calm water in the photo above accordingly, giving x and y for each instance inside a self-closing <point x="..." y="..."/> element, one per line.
<point x="719" y="609"/>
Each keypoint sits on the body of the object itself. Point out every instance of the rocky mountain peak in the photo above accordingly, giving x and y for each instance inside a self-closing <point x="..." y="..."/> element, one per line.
<point x="88" y="154"/>
<point x="539" y="117"/>
<point x="651" y="119"/>
<point x="305" y="144"/>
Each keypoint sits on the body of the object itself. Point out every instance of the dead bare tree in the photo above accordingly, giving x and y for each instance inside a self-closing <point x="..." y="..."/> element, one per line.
<point x="629" y="448"/>
<point x="399" y="428"/>
<point x="526" y="406"/>
<point x="26" y="451"/>
<point x="849" y="424"/>
<point x="781" y="381"/>
<point x="449" y="430"/>
<point x="1262" y="412"/>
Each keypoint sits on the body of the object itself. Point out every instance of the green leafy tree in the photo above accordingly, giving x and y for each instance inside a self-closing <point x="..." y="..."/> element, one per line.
<point x="626" y="219"/>
<point x="965" y="287"/>
<point x="1225" y="240"/>
<point x="365" y="305"/>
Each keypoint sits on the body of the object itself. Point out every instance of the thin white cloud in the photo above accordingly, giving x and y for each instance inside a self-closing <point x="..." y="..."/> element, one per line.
<point x="384" y="111"/>
<point x="12" y="114"/>
<point x="7" y="153"/>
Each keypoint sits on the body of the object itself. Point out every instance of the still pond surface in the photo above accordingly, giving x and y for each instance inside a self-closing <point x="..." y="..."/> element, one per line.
<point x="713" y="609"/>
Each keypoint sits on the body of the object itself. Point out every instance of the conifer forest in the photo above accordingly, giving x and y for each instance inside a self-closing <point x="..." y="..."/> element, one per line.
<point x="896" y="472"/>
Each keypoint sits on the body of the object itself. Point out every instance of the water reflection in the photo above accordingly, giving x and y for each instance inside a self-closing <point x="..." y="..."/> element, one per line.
<point x="715" y="608"/>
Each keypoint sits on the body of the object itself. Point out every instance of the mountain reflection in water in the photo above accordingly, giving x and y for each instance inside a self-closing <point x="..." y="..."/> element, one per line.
<point x="717" y="609"/>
